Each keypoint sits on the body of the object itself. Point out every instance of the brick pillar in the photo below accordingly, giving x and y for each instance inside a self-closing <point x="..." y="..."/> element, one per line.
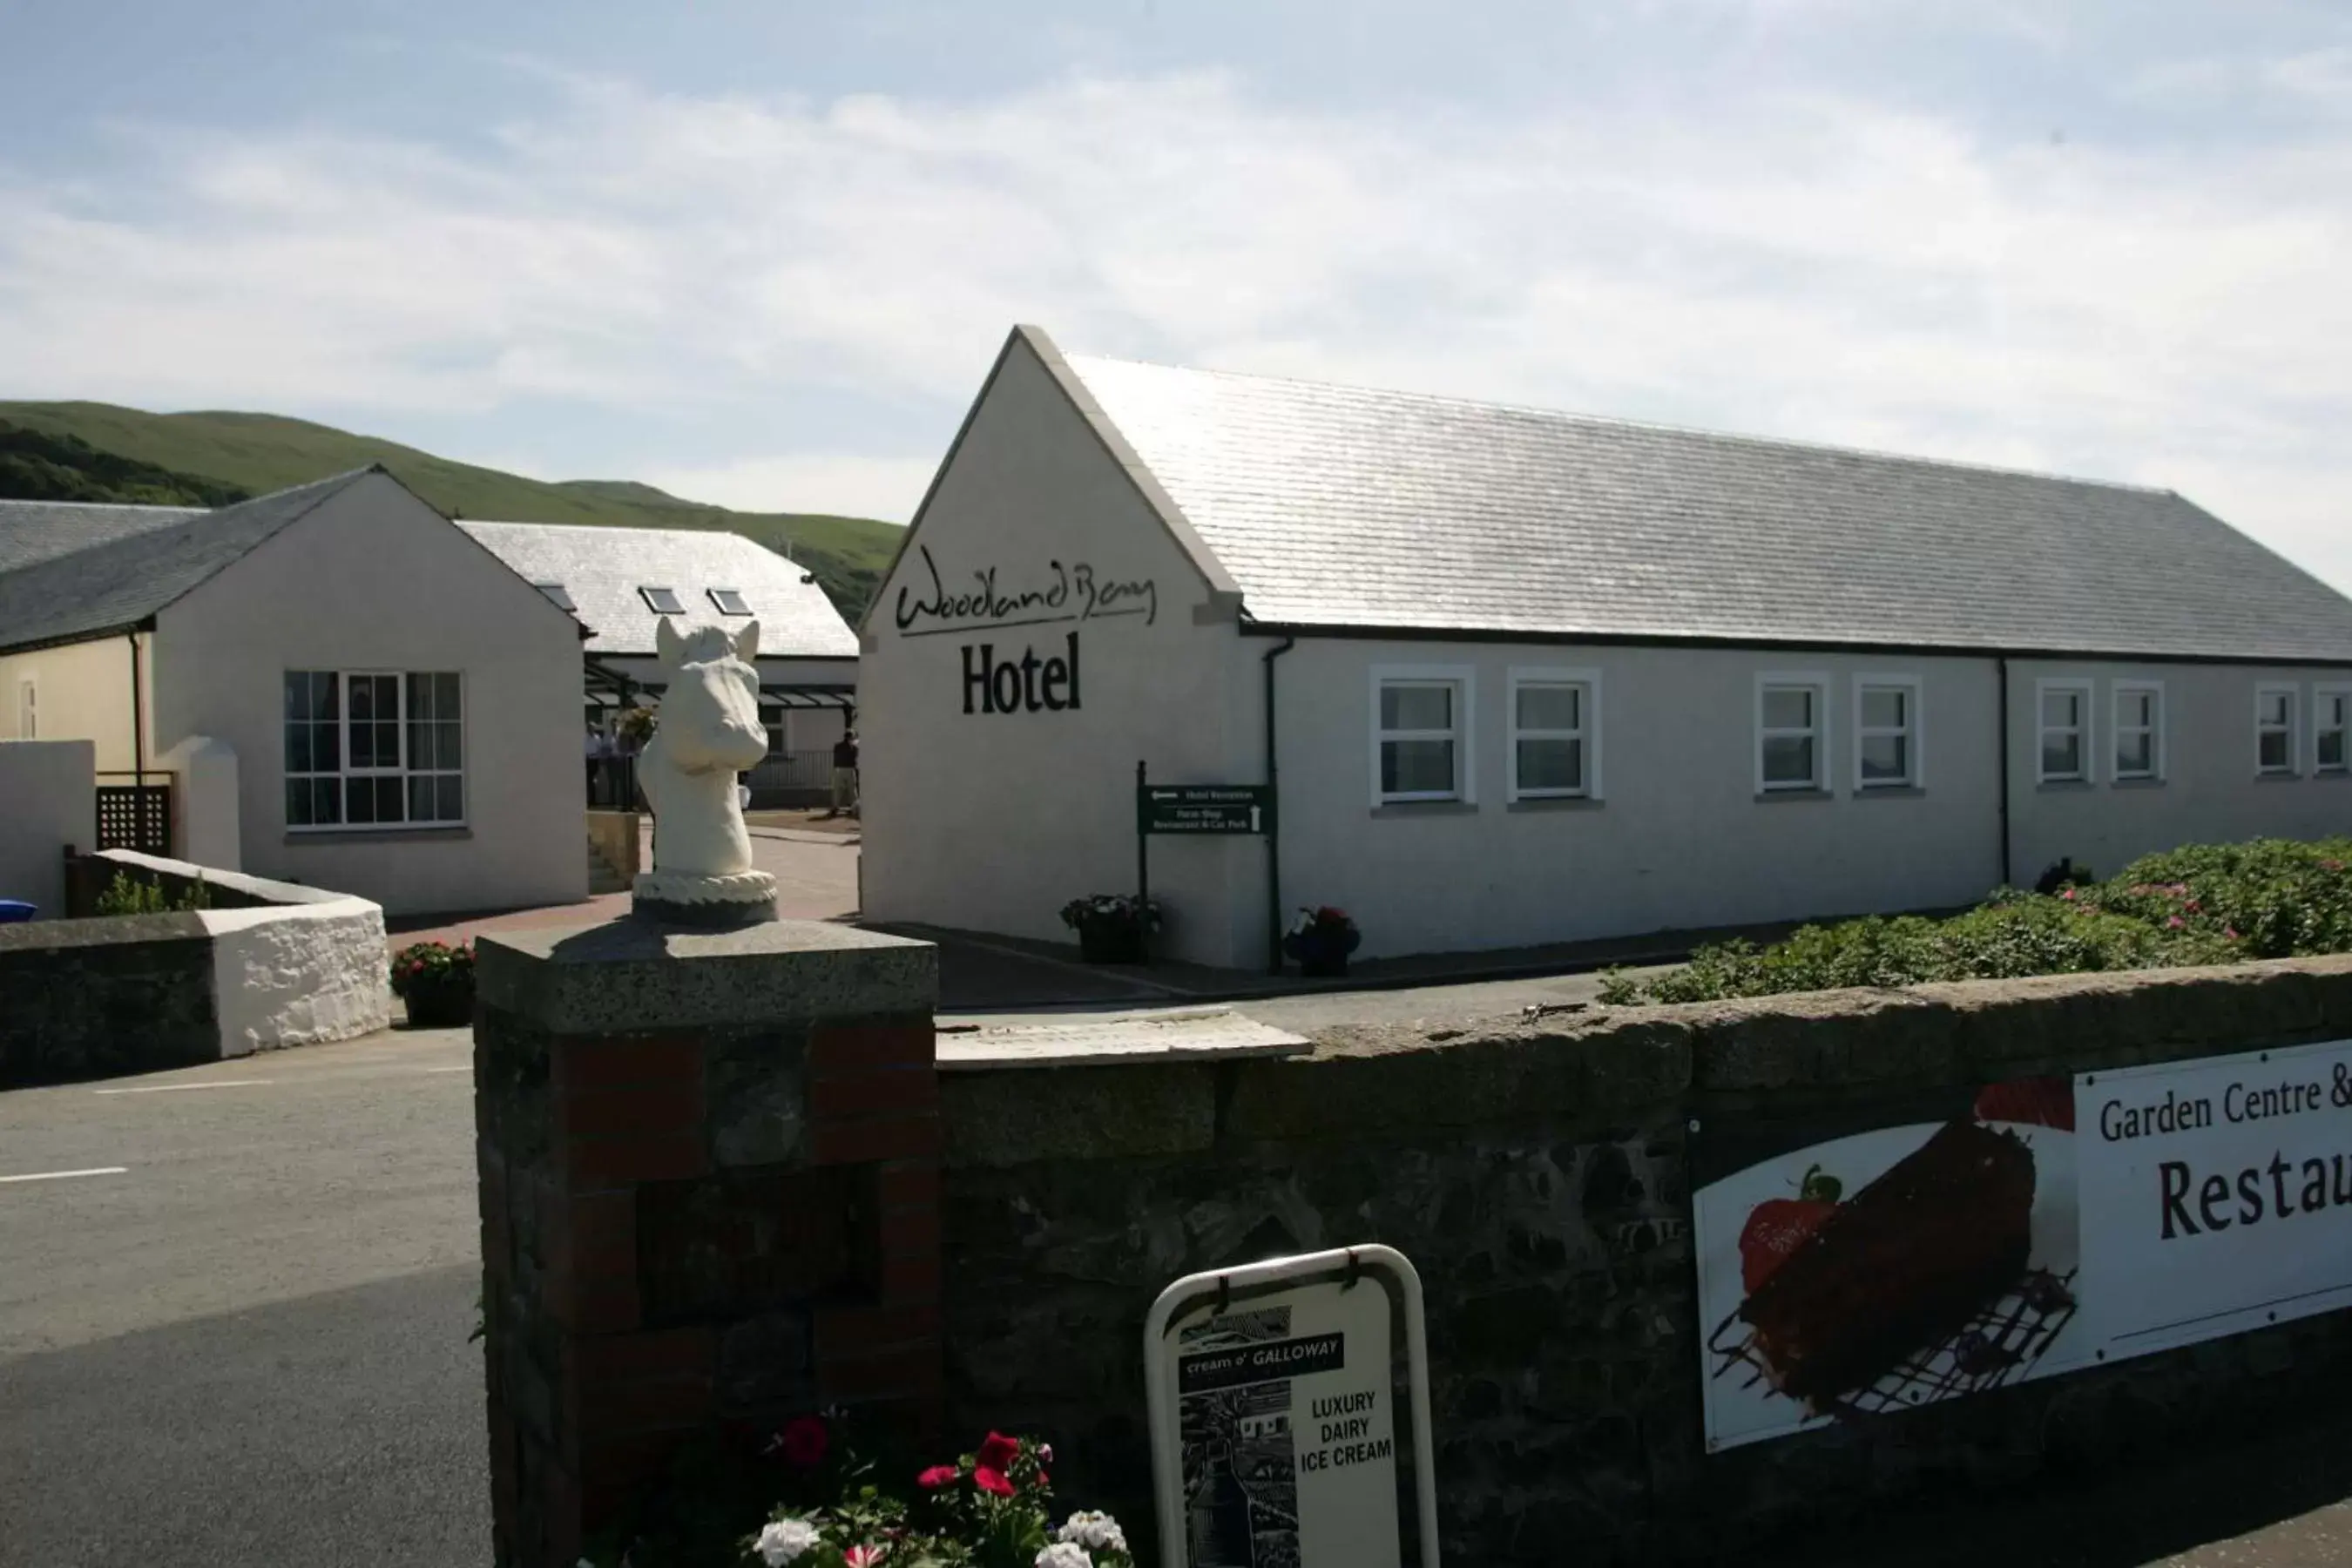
<point x="709" y="1198"/>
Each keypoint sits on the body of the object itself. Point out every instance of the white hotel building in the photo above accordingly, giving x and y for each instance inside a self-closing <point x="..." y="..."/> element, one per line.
<point x="1524" y="677"/>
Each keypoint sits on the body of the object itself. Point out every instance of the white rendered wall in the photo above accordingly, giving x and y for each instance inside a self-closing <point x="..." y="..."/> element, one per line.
<point x="84" y="694"/>
<point x="299" y="975"/>
<point x="374" y="580"/>
<point x="2211" y="792"/>
<point x="992" y="821"/>
<point x="208" y="827"/>
<point x="1681" y="836"/>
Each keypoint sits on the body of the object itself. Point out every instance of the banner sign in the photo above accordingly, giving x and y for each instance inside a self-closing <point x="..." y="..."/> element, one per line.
<point x="1203" y="808"/>
<point x="2043" y="1225"/>
<point x="1274" y="1424"/>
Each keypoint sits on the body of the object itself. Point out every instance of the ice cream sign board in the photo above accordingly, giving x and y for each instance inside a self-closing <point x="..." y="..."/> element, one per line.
<point x="1273" y="1421"/>
<point x="2038" y="1226"/>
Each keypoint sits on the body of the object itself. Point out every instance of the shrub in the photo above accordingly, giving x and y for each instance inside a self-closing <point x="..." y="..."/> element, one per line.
<point x="2012" y="934"/>
<point x="425" y="964"/>
<point x="128" y="896"/>
<point x="2281" y="898"/>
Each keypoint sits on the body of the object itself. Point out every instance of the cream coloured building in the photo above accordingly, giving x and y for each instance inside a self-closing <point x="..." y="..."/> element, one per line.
<point x="1522" y="677"/>
<point x="341" y="688"/>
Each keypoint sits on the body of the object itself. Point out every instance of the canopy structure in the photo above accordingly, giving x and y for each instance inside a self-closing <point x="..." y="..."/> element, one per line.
<point x="610" y="689"/>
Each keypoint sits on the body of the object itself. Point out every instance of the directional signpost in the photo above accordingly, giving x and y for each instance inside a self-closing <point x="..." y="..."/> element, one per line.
<point x="1203" y="808"/>
<point x="1194" y="810"/>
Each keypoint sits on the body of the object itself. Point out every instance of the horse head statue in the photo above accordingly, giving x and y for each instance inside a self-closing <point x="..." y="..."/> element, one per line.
<point x="708" y="731"/>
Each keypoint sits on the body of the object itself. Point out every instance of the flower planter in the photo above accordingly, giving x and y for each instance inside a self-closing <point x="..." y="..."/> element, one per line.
<point x="1321" y="954"/>
<point x="1101" y="943"/>
<point x="446" y="1005"/>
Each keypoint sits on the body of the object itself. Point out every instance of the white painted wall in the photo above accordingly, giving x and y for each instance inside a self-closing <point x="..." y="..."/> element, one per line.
<point x="2211" y="792"/>
<point x="47" y="800"/>
<point x="309" y="968"/>
<point x="300" y="975"/>
<point x="1680" y="836"/>
<point x="206" y="806"/>
<point x="373" y="579"/>
<point x="84" y="694"/>
<point x="991" y="821"/>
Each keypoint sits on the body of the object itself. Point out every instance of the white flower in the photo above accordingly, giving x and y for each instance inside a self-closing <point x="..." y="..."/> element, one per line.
<point x="1094" y="1529"/>
<point x="1065" y="1554"/>
<point x="784" y="1541"/>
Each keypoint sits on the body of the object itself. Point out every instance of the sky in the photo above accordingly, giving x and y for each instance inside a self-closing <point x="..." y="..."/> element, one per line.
<point x="762" y="253"/>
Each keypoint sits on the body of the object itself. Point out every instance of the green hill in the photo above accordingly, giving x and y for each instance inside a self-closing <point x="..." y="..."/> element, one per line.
<point x="191" y="456"/>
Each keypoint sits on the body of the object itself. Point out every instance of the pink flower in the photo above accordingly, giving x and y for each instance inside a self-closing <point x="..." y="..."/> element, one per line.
<point x="864" y="1556"/>
<point x="2175" y="923"/>
<point x="938" y="1476"/>
<point x="2230" y="931"/>
<point x="2067" y="893"/>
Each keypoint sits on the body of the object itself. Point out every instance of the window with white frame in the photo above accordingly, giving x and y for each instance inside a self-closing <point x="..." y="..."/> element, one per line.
<point x="2331" y="728"/>
<point x="1420" y="741"/>
<point x="1555" y="742"/>
<point x="1791" y="734"/>
<point x="2274" y="731"/>
<point x="374" y="749"/>
<point x="2063" y="748"/>
<point x="2138" y="707"/>
<point x="1886" y="732"/>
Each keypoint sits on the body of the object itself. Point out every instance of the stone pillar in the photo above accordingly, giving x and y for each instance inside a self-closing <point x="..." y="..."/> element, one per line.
<point x="709" y="1200"/>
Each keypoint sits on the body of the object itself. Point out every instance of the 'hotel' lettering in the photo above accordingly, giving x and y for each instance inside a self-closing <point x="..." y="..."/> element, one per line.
<point x="1017" y="686"/>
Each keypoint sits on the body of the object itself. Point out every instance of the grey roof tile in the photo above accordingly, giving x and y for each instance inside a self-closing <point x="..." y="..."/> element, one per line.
<point x="1338" y="507"/>
<point x="115" y="585"/>
<point x="34" y="531"/>
<point x="603" y="568"/>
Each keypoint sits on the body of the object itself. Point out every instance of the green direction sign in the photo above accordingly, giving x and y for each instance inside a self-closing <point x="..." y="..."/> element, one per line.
<point x="1203" y="808"/>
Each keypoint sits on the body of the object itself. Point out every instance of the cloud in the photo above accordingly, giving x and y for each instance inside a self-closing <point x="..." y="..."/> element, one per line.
<point x="1800" y="260"/>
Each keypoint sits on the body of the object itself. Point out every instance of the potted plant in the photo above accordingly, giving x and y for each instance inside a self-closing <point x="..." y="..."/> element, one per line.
<point x="436" y="981"/>
<point x="1320" y="940"/>
<point x="1111" y="926"/>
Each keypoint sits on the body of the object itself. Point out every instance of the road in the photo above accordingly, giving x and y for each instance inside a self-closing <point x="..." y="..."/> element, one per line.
<point x="249" y="1346"/>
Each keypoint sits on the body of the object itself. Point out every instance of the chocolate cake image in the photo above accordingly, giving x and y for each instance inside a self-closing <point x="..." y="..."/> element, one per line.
<point x="1902" y="1264"/>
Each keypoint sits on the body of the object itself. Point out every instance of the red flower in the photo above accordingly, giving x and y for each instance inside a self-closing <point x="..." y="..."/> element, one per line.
<point x="938" y="1476"/>
<point x="990" y="1480"/>
<point x="417" y="967"/>
<point x="804" y="1442"/>
<point x="998" y="1452"/>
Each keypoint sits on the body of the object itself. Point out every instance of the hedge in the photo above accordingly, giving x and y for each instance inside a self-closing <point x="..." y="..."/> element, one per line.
<point x="2208" y="903"/>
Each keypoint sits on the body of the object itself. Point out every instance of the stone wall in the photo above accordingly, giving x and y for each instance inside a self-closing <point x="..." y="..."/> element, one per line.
<point x="264" y="964"/>
<point x="90" y="998"/>
<point x="1538" y="1173"/>
<point x="708" y="1198"/>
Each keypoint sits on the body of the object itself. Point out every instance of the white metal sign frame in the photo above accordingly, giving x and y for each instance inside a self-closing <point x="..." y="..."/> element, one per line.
<point x="1345" y="1263"/>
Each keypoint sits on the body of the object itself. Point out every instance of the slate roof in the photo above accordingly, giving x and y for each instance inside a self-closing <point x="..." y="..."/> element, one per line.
<point x="115" y="585"/>
<point x="34" y="531"/>
<point x="1337" y="507"/>
<point x="603" y="568"/>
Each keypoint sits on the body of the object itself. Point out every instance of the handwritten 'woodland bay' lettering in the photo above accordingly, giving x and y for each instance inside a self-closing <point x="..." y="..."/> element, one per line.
<point x="1072" y="592"/>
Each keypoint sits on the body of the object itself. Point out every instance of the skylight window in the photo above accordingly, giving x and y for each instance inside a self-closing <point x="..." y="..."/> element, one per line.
<point x="729" y="602"/>
<point x="556" y="595"/>
<point x="662" y="601"/>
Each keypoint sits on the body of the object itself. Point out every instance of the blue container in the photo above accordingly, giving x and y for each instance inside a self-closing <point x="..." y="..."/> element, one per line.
<point x="15" y="912"/>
